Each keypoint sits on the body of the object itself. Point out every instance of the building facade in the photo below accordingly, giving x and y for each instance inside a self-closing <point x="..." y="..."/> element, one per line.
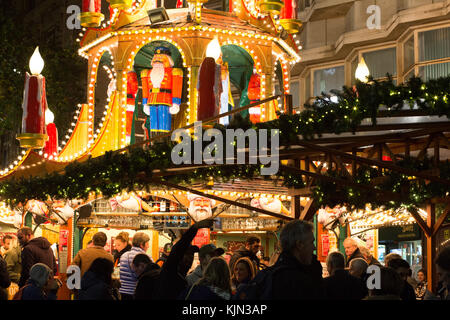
<point x="401" y="38"/>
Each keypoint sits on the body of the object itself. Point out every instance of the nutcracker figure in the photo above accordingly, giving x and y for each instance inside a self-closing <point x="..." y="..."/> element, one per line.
<point x="254" y="94"/>
<point x="132" y="89"/>
<point x="161" y="92"/>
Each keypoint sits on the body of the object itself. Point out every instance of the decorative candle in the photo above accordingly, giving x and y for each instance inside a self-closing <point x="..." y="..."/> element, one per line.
<point x="34" y="101"/>
<point x="51" y="146"/>
<point x="92" y="6"/>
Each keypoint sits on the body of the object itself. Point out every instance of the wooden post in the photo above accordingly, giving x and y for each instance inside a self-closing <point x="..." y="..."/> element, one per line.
<point x="431" y="248"/>
<point x="288" y="107"/>
<point x="295" y="200"/>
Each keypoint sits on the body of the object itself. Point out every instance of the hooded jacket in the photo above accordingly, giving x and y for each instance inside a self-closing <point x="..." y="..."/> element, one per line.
<point x="243" y="252"/>
<point x="93" y="288"/>
<point x="250" y="276"/>
<point x="37" y="250"/>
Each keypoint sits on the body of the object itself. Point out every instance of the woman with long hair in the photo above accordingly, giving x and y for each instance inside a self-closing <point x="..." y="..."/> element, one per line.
<point x="214" y="285"/>
<point x="243" y="272"/>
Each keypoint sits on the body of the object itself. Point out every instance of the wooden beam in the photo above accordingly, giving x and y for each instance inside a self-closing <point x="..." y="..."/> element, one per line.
<point x="387" y="194"/>
<point x="308" y="211"/>
<point x="431" y="249"/>
<point x="371" y="162"/>
<point x="234" y="203"/>
<point x="441" y="220"/>
<point x="422" y="224"/>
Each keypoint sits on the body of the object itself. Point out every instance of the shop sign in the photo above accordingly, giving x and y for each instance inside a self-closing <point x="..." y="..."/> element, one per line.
<point x="400" y="233"/>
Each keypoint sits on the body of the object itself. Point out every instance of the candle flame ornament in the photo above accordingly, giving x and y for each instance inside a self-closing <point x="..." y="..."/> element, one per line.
<point x="34" y="105"/>
<point x="362" y="71"/>
<point x="36" y="63"/>
<point x="213" y="49"/>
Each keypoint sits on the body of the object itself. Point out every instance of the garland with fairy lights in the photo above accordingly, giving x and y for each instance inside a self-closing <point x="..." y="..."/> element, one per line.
<point x="132" y="170"/>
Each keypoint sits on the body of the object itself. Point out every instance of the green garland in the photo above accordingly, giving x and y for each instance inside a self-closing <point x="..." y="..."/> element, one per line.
<point x="132" y="170"/>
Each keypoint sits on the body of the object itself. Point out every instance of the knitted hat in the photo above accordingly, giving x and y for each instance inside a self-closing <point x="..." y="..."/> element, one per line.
<point x="40" y="273"/>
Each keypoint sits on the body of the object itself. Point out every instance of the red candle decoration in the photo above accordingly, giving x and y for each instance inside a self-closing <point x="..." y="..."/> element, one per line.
<point x="289" y="10"/>
<point x="288" y="16"/>
<point x="91" y="15"/>
<point x="51" y="146"/>
<point x="92" y="6"/>
<point x="34" y="106"/>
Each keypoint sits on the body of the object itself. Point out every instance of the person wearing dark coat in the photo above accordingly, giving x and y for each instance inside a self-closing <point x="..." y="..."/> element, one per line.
<point x="251" y="248"/>
<point x="351" y="250"/>
<point x="370" y="259"/>
<point x="148" y="275"/>
<point x="41" y="285"/>
<point x="401" y="266"/>
<point x="340" y="285"/>
<point x="5" y="282"/>
<point x="34" y="250"/>
<point x="298" y="273"/>
<point x="172" y="279"/>
<point x="96" y="283"/>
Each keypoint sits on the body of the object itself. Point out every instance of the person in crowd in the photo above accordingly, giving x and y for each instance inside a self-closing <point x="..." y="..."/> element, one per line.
<point x="250" y="250"/>
<point x="41" y="285"/>
<point x="165" y="254"/>
<point x="443" y="272"/>
<point x="96" y="283"/>
<point x="391" y="256"/>
<point x="34" y="250"/>
<point x="243" y="272"/>
<point x="370" y="259"/>
<point x="341" y="285"/>
<point x="5" y="282"/>
<point x="391" y="286"/>
<point x="6" y="245"/>
<point x="205" y="254"/>
<point x="299" y="274"/>
<point x="351" y="250"/>
<point x="90" y="244"/>
<point x="214" y="285"/>
<point x="13" y="258"/>
<point x="402" y="268"/>
<point x="358" y="268"/>
<point x="421" y="288"/>
<point x="148" y="274"/>
<point x="413" y="282"/>
<point x="122" y="245"/>
<point x="128" y="278"/>
<point x="172" y="279"/>
<point x="85" y="257"/>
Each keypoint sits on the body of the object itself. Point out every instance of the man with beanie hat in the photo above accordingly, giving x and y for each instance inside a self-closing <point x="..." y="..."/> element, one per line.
<point x="40" y="285"/>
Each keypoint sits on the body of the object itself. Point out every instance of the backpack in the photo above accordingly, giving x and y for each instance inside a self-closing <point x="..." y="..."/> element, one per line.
<point x="260" y="287"/>
<point x="18" y="295"/>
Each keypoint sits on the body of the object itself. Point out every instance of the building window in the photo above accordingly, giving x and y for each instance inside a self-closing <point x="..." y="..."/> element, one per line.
<point x="295" y="92"/>
<point x="326" y="80"/>
<point x="381" y="63"/>
<point x="427" y="54"/>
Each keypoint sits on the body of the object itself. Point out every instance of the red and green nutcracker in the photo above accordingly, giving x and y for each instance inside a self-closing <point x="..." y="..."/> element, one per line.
<point x="161" y="92"/>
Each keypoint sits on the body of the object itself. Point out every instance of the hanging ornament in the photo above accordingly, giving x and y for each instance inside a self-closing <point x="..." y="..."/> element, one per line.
<point x="91" y="15"/>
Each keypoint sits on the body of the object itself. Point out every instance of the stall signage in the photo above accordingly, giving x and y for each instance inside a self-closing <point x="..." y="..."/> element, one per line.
<point x="400" y="233"/>
<point x="202" y="237"/>
<point x="325" y="244"/>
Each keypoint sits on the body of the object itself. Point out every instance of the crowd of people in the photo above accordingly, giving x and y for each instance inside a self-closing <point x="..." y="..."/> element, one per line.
<point x="293" y="272"/>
